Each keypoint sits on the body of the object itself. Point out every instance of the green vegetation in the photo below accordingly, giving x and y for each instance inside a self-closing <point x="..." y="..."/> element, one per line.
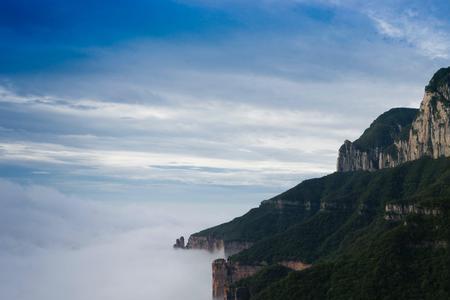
<point x="263" y="279"/>
<point x="338" y="224"/>
<point x="351" y="203"/>
<point x="440" y="78"/>
<point x="388" y="127"/>
<point x="386" y="262"/>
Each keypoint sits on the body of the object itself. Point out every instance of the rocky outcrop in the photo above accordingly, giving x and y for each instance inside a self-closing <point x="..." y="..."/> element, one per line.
<point x="212" y="244"/>
<point x="397" y="212"/>
<point x="282" y="204"/>
<point x="225" y="273"/>
<point x="393" y="138"/>
<point x="204" y="243"/>
<point x="351" y="158"/>
<point x="179" y="243"/>
<point x="430" y="132"/>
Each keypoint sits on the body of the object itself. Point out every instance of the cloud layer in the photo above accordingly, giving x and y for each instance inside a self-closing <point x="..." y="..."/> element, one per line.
<point x="53" y="246"/>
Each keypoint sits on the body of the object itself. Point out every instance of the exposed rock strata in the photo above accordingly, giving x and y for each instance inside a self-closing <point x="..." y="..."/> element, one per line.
<point x="397" y="212"/>
<point x="428" y="134"/>
<point x="204" y="243"/>
<point x="225" y="273"/>
<point x="211" y="244"/>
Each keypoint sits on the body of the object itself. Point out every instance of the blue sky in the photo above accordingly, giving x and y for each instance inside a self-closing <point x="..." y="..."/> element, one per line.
<point x="202" y="99"/>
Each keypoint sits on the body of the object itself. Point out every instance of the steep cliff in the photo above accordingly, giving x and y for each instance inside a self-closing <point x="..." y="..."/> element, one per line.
<point x="430" y="131"/>
<point x="402" y="134"/>
<point x="226" y="274"/>
<point x="378" y="146"/>
<point x="212" y="244"/>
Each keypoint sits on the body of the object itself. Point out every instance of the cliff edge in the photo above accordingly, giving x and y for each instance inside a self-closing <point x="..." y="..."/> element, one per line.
<point x="404" y="134"/>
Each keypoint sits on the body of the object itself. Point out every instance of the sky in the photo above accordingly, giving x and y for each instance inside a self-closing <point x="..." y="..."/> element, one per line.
<point x="205" y="100"/>
<point x="125" y="124"/>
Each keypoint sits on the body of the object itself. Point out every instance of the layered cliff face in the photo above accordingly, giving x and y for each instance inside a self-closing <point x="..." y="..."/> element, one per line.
<point x="212" y="244"/>
<point x="205" y="243"/>
<point x="226" y="273"/>
<point x="397" y="212"/>
<point x="430" y="132"/>
<point x="402" y="134"/>
<point x="379" y="146"/>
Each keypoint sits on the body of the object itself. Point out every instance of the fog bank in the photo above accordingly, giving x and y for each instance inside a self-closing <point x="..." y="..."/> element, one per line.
<point x="56" y="247"/>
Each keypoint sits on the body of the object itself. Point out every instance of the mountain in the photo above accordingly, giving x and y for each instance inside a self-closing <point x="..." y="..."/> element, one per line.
<point x="368" y="231"/>
<point x="402" y="134"/>
<point x="382" y="235"/>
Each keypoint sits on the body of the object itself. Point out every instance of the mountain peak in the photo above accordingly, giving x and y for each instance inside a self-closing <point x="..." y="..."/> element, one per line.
<point x="402" y="135"/>
<point x="440" y="83"/>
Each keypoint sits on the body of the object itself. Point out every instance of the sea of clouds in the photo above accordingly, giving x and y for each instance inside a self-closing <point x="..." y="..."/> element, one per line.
<point x="54" y="246"/>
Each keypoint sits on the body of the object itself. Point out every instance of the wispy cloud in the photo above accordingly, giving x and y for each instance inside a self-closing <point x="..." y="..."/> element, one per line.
<point x="424" y="33"/>
<point x="419" y="24"/>
<point x="138" y="165"/>
<point x="240" y="139"/>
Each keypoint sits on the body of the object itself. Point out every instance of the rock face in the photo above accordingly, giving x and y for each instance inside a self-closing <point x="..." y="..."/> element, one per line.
<point x="211" y="244"/>
<point x="402" y="135"/>
<point x="179" y="243"/>
<point x="430" y="132"/>
<point x="397" y="212"/>
<point x="225" y="273"/>
<point x="204" y="243"/>
<point x="351" y="158"/>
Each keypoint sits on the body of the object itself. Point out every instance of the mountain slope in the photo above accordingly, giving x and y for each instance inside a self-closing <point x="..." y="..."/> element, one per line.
<point x="376" y="254"/>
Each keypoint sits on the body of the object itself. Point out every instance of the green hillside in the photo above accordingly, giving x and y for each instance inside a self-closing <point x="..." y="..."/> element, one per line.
<point x="388" y="127"/>
<point x="338" y="223"/>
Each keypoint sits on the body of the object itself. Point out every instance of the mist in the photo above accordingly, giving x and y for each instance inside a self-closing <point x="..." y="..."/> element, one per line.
<point x="55" y="246"/>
